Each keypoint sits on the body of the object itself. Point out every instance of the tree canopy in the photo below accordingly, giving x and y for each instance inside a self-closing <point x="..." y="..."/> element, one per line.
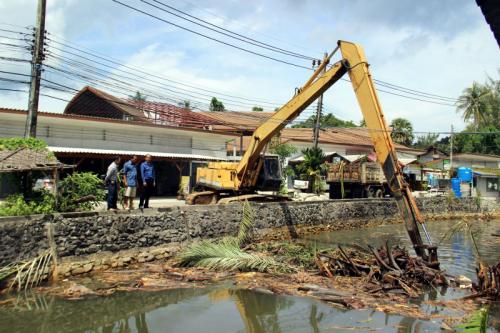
<point x="328" y="120"/>
<point x="216" y="105"/>
<point x="258" y="108"/>
<point x="139" y="97"/>
<point x="402" y="131"/>
<point x="479" y="105"/>
<point x="186" y="104"/>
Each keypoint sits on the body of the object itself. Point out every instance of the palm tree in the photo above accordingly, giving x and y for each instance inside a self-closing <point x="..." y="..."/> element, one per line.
<point x="312" y="166"/>
<point x="402" y="131"/>
<point x="473" y="104"/>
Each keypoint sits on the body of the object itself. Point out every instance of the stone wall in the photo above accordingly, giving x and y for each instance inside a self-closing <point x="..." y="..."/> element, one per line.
<point x="102" y="240"/>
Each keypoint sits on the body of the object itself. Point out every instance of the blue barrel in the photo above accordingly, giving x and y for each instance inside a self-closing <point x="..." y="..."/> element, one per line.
<point x="455" y="187"/>
<point x="464" y="174"/>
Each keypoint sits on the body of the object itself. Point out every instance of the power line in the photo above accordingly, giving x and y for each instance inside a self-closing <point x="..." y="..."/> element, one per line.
<point x="418" y="98"/>
<point x="211" y="38"/>
<point x="237" y="22"/>
<point x="380" y="82"/>
<point x="229" y="33"/>
<point x="135" y="69"/>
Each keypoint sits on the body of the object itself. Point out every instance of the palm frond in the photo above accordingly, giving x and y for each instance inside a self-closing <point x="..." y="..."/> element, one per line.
<point x="246" y="223"/>
<point x="462" y="226"/>
<point x="226" y="255"/>
<point x="29" y="273"/>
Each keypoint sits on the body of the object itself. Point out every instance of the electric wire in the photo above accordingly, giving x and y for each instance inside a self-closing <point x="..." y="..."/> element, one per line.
<point x="229" y="33"/>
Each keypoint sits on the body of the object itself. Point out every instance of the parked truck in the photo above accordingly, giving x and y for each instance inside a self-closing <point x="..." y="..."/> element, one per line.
<point x="361" y="178"/>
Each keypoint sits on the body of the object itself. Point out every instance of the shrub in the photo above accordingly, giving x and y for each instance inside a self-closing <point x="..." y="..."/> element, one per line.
<point x="42" y="202"/>
<point x="77" y="186"/>
<point x="30" y="143"/>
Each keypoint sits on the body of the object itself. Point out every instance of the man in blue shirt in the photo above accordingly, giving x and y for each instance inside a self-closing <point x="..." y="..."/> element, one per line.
<point x="148" y="181"/>
<point x="130" y="181"/>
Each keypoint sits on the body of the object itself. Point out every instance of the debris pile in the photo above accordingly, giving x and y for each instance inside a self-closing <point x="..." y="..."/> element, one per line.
<point x="488" y="281"/>
<point x="388" y="269"/>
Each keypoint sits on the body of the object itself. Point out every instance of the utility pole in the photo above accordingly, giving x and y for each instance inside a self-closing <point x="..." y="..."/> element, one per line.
<point x="319" y="111"/>
<point x="36" y="71"/>
<point x="451" y="151"/>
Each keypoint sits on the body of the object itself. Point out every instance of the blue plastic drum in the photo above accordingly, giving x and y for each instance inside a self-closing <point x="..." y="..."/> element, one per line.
<point x="464" y="174"/>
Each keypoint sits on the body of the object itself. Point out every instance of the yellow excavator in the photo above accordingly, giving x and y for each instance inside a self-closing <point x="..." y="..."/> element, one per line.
<point x="223" y="182"/>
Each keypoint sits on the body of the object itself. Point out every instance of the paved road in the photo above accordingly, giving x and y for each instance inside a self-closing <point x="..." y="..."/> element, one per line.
<point x="153" y="203"/>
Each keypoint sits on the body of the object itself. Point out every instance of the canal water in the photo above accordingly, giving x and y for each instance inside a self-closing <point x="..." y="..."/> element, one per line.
<point x="224" y="308"/>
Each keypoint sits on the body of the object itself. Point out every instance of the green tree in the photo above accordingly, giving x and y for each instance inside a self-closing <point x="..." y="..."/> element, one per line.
<point x="362" y="123"/>
<point x="427" y="140"/>
<point x="186" y="104"/>
<point x="80" y="185"/>
<point x="328" y="120"/>
<point x="474" y="104"/>
<point x="402" y="131"/>
<point x="313" y="166"/>
<point x="139" y="97"/>
<point x="492" y="116"/>
<point x="216" y="105"/>
<point x="258" y="108"/>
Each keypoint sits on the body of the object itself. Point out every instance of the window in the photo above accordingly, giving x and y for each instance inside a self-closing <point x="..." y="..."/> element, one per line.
<point x="491" y="184"/>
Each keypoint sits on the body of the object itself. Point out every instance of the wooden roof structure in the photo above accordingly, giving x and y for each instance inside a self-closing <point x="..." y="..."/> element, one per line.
<point x="25" y="159"/>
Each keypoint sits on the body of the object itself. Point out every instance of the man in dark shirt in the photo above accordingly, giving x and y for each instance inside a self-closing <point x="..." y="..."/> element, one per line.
<point x="148" y="182"/>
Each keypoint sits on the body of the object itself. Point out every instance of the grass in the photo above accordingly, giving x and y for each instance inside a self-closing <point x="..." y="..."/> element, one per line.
<point x="476" y="323"/>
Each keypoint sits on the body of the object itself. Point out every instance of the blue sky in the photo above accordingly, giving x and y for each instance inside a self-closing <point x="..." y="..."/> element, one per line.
<point x="438" y="47"/>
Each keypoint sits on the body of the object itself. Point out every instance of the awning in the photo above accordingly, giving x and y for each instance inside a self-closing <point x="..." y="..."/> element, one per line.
<point x="406" y="161"/>
<point x="485" y="174"/>
<point x="301" y="157"/>
<point x="112" y="152"/>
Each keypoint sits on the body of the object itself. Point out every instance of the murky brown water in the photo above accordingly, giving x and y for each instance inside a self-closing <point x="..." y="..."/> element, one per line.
<point x="226" y="309"/>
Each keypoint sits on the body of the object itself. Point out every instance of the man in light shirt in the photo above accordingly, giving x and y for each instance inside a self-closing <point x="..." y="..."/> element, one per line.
<point x="111" y="182"/>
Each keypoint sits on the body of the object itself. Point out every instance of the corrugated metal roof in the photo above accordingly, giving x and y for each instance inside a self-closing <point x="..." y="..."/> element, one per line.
<point x="114" y="152"/>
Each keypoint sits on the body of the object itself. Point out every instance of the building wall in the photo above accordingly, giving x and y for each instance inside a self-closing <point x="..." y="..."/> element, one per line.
<point x="458" y="162"/>
<point x="70" y="132"/>
<point x="481" y="187"/>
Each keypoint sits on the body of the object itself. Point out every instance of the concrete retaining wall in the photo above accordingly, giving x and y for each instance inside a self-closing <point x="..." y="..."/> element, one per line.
<point x="126" y="237"/>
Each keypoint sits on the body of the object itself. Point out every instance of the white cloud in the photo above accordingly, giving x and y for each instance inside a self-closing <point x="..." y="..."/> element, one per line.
<point x="429" y="49"/>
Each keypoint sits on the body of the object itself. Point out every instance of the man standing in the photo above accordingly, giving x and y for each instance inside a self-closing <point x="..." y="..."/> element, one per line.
<point x="130" y="181"/>
<point x="148" y="181"/>
<point x="111" y="182"/>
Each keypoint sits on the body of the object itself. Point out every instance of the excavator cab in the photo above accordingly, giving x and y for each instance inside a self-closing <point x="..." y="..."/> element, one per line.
<point x="270" y="176"/>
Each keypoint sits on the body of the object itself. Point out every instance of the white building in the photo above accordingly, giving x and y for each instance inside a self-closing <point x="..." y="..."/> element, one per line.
<point x="90" y="143"/>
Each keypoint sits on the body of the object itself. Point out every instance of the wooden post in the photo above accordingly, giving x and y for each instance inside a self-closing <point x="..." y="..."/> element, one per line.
<point x="36" y="72"/>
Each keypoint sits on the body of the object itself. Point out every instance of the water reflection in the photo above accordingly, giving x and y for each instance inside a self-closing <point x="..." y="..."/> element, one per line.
<point x="228" y="309"/>
<point x="219" y="309"/>
<point x="456" y="253"/>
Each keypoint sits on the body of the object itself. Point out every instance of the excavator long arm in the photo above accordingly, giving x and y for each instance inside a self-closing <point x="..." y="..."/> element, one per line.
<point x="357" y="67"/>
<point x="353" y="62"/>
